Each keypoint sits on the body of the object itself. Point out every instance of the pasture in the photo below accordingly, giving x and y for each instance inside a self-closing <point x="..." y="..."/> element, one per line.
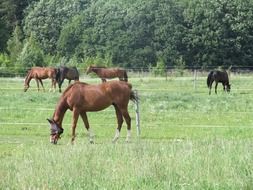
<point x="189" y="140"/>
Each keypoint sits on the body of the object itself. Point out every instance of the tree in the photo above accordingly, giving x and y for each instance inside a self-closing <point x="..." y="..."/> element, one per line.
<point x="15" y="45"/>
<point x="46" y="19"/>
<point x="31" y="55"/>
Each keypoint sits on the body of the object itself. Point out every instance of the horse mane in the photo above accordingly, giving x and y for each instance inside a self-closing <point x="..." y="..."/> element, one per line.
<point x="67" y="89"/>
<point x="98" y="67"/>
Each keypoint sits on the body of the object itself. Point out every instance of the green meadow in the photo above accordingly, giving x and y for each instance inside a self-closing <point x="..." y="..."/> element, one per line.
<point x="189" y="139"/>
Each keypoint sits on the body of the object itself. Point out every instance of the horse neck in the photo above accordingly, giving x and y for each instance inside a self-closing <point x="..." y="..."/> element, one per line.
<point x="60" y="112"/>
<point x="95" y="70"/>
<point x="28" y="78"/>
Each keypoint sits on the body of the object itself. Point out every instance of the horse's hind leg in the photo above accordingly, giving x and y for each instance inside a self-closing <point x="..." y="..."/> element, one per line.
<point x="128" y="122"/>
<point x="86" y="123"/>
<point x="120" y="122"/>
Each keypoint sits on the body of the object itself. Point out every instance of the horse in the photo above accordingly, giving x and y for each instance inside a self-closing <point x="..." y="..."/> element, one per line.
<point x="218" y="76"/>
<point x="108" y="73"/>
<point x="81" y="98"/>
<point x="66" y="73"/>
<point x="40" y="73"/>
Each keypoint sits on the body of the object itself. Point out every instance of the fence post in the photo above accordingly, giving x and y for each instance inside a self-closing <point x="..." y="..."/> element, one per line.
<point x="166" y="74"/>
<point x="137" y="113"/>
<point x="195" y="78"/>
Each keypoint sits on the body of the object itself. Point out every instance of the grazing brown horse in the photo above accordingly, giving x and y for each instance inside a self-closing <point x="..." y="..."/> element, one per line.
<point x="218" y="76"/>
<point x="82" y="98"/>
<point x="40" y="73"/>
<point x="70" y="73"/>
<point x="108" y="73"/>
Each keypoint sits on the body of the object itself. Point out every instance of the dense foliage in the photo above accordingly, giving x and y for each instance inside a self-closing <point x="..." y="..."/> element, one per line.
<point x="133" y="33"/>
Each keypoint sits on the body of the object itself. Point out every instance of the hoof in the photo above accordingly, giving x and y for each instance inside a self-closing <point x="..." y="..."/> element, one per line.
<point x="114" y="140"/>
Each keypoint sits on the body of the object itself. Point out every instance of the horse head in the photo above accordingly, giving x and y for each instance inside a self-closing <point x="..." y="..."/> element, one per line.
<point x="56" y="131"/>
<point x="228" y="87"/>
<point x="26" y="86"/>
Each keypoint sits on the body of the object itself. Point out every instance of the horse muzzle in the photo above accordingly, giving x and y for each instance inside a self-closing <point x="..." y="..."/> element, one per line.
<point x="25" y="89"/>
<point x="54" y="138"/>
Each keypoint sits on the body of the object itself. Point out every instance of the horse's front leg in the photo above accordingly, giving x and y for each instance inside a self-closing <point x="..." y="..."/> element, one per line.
<point x="216" y="84"/>
<point x="74" y="122"/>
<point x="60" y="84"/>
<point x="53" y="85"/>
<point x="128" y="122"/>
<point x="42" y="84"/>
<point x="103" y="79"/>
<point x="87" y="126"/>
<point x="210" y="88"/>
<point x="37" y="82"/>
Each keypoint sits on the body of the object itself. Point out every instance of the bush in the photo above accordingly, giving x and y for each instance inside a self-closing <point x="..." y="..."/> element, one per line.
<point x="160" y="69"/>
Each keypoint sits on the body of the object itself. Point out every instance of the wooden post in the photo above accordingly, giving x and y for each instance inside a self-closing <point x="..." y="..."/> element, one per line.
<point x="137" y="113"/>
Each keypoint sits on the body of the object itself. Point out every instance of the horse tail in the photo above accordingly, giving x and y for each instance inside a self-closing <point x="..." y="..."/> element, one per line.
<point x="57" y="74"/>
<point x="125" y="76"/>
<point x="209" y="79"/>
<point x="134" y="96"/>
<point x="77" y="74"/>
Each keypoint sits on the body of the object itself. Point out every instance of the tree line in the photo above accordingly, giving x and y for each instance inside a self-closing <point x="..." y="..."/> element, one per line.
<point x="130" y="34"/>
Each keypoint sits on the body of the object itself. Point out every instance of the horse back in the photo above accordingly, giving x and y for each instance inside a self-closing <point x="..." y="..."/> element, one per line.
<point x="221" y="76"/>
<point x="72" y="74"/>
<point x="43" y="72"/>
<point x="97" y="97"/>
<point x="112" y="73"/>
<point x="68" y="73"/>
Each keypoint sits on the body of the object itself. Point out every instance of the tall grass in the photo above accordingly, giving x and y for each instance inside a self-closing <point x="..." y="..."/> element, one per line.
<point x="205" y="164"/>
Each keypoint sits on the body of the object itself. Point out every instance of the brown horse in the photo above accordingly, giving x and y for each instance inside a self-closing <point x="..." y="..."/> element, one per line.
<point x="40" y="73"/>
<point x="108" y="73"/>
<point x="218" y="76"/>
<point x="82" y="98"/>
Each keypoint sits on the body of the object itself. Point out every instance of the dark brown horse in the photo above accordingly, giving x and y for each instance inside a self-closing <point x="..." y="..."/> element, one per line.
<point x="70" y="73"/>
<point x="82" y="98"/>
<point x="40" y="73"/>
<point x="108" y="73"/>
<point x="218" y="76"/>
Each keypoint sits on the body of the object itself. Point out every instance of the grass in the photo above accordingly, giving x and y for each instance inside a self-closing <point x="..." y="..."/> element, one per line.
<point x="189" y="140"/>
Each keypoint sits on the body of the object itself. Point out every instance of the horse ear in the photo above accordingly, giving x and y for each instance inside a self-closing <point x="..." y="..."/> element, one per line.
<point x="50" y="121"/>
